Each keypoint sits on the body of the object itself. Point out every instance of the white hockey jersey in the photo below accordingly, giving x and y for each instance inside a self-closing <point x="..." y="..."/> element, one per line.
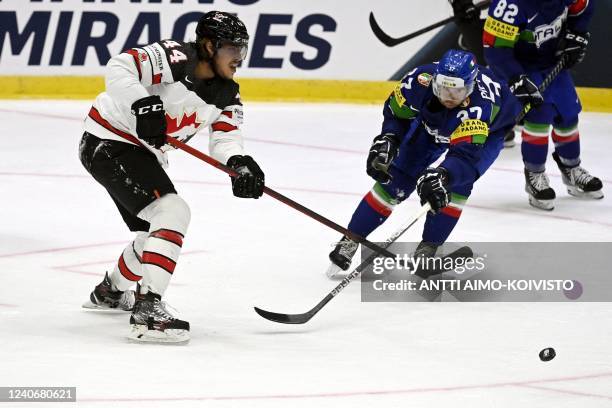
<point x="166" y="68"/>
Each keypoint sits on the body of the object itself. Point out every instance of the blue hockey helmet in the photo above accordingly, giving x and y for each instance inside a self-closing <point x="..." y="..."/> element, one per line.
<point x="454" y="78"/>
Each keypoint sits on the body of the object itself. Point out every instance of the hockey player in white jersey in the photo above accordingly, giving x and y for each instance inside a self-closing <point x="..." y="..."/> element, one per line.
<point x="167" y="88"/>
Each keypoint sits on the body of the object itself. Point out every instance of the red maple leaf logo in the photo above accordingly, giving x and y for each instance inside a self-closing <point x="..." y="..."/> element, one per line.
<point x="173" y="124"/>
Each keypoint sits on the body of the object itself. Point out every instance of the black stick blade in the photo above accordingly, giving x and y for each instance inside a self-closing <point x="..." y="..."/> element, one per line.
<point x="300" y="318"/>
<point x="380" y="34"/>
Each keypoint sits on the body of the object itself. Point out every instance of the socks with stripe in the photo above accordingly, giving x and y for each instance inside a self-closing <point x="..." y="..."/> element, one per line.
<point x="169" y="217"/>
<point x="567" y="145"/>
<point x="128" y="269"/>
<point x="372" y="211"/>
<point x="438" y="227"/>
<point x="535" y="145"/>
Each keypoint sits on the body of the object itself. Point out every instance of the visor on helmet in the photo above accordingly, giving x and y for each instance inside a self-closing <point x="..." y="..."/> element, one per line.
<point x="448" y="88"/>
<point x="232" y="49"/>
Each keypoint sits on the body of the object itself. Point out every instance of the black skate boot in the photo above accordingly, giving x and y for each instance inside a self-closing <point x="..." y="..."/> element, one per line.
<point x="424" y="250"/>
<point x="152" y="322"/>
<point x="104" y="297"/>
<point x="341" y="256"/>
<point x="541" y="195"/>
<point x="578" y="181"/>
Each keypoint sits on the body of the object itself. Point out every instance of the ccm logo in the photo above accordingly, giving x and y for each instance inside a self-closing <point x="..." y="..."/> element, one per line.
<point x="153" y="108"/>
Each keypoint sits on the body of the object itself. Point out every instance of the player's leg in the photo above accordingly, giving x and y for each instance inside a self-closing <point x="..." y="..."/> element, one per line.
<point x="439" y="226"/>
<point x="566" y="137"/>
<point x="534" y="149"/>
<point x="139" y="185"/>
<point x="579" y="182"/>
<point x="375" y="208"/>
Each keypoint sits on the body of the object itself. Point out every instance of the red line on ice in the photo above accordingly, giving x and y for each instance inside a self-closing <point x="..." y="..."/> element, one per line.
<point x="361" y="393"/>
<point x="583" y="394"/>
<point x="70" y="248"/>
<point x="306" y="146"/>
<point x="481" y="207"/>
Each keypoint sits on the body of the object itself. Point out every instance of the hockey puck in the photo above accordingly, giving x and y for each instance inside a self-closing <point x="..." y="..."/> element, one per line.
<point x="547" y="354"/>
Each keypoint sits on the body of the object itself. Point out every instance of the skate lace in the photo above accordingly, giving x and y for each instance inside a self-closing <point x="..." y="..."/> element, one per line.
<point x="539" y="180"/>
<point x="161" y="309"/>
<point x="580" y="176"/>
<point x="347" y="247"/>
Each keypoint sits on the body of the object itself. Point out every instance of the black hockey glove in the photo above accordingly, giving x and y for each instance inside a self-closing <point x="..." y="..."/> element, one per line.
<point x="384" y="149"/>
<point x="431" y="187"/>
<point x="465" y="10"/>
<point x="150" y="120"/>
<point x="526" y="91"/>
<point x="250" y="180"/>
<point x="572" y="47"/>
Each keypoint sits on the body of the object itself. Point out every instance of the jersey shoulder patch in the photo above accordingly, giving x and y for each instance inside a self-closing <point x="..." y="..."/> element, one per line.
<point x="473" y="131"/>
<point x="181" y="57"/>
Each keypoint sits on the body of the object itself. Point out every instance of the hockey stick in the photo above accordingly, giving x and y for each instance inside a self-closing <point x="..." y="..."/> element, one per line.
<point x="283" y="199"/>
<point x="302" y="318"/>
<point x="392" y="42"/>
<point x="547" y="81"/>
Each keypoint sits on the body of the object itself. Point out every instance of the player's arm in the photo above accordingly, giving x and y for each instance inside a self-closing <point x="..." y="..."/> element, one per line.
<point x="466" y="143"/>
<point x="226" y="145"/>
<point x="459" y="166"/>
<point x="226" y="136"/>
<point x="574" y="39"/>
<point x="398" y="113"/>
<point x="579" y="15"/>
<point x="502" y="29"/>
<point x="130" y="73"/>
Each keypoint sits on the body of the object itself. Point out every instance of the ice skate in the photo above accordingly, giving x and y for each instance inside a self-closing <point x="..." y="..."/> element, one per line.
<point x="424" y="250"/>
<point x="541" y="195"/>
<point x="579" y="182"/>
<point x="151" y="322"/>
<point x="105" y="298"/>
<point x="341" y="256"/>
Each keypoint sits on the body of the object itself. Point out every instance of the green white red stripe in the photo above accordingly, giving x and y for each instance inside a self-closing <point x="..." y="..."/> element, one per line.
<point x="455" y="206"/>
<point x="535" y="133"/>
<point x="565" y="135"/>
<point x="380" y="200"/>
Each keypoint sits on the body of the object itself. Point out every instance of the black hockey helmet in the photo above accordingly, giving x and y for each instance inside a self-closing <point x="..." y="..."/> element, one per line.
<point x="223" y="28"/>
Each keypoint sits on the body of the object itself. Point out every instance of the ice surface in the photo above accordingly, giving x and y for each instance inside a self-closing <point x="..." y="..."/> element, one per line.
<point x="60" y="232"/>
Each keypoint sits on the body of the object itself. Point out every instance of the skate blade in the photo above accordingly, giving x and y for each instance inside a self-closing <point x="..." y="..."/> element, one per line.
<point x="576" y="192"/>
<point x="333" y="270"/>
<point x="141" y="334"/>
<point x="546" y="205"/>
<point x="103" y="308"/>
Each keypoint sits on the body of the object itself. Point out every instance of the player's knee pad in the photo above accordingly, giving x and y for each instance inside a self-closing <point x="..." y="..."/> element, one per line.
<point x="170" y="212"/>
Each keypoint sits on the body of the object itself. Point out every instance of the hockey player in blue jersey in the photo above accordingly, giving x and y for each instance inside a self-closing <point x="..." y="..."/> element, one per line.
<point x="454" y="105"/>
<point x="523" y="40"/>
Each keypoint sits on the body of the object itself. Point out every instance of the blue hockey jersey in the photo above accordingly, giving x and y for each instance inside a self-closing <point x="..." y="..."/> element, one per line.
<point x="523" y="35"/>
<point x="489" y="111"/>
